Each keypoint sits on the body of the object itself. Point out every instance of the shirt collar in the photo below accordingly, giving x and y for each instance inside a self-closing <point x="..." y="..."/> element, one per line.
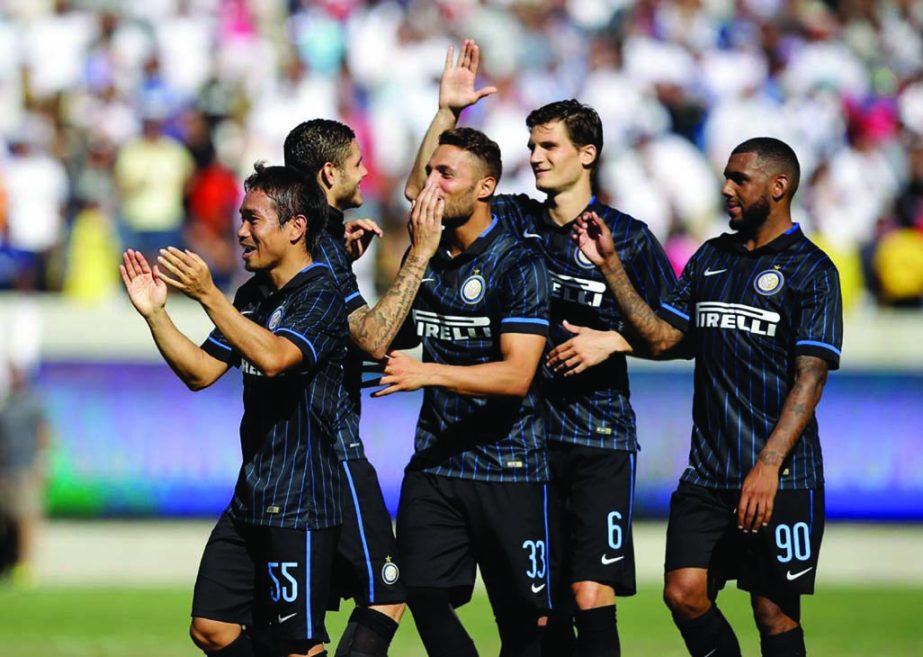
<point x="735" y="242"/>
<point x="477" y="247"/>
<point x="336" y="222"/>
<point x="593" y="205"/>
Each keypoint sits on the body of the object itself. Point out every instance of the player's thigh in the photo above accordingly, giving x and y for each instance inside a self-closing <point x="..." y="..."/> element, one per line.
<point x="296" y="567"/>
<point x="432" y="536"/>
<point x="782" y="557"/>
<point x="702" y="531"/>
<point x="510" y="533"/>
<point x="600" y="544"/>
<point x="367" y="551"/>
<point x="225" y="586"/>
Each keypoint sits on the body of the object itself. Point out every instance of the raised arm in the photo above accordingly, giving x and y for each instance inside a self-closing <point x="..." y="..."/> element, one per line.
<point x="148" y="294"/>
<point x="509" y="377"/>
<point x="268" y="352"/>
<point x="595" y="241"/>
<point x="456" y="92"/>
<point x="762" y="482"/>
<point x="373" y="329"/>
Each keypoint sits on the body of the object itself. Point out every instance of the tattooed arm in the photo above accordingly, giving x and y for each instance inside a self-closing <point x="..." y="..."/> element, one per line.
<point x="595" y="240"/>
<point x="759" y="489"/>
<point x="373" y="329"/>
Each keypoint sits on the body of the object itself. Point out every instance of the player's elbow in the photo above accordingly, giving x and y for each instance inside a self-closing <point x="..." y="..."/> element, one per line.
<point x="411" y="191"/>
<point x="519" y="385"/>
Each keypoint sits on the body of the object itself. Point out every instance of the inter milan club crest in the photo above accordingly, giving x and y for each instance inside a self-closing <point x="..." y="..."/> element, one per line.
<point x="390" y="572"/>
<point x="769" y="282"/>
<point x="581" y="259"/>
<point x="472" y="290"/>
<point x="276" y="318"/>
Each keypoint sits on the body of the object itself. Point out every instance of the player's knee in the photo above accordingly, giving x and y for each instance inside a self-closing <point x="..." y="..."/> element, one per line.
<point x="592" y="595"/>
<point x="770" y="618"/>
<point x="685" y="600"/>
<point x="211" y="635"/>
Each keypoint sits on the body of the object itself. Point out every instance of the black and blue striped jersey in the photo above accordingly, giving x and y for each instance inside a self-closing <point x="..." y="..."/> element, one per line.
<point x="290" y="476"/>
<point x="591" y="408"/>
<point x="749" y="314"/>
<point x="464" y="305"/>
<point x="331" y="250"/>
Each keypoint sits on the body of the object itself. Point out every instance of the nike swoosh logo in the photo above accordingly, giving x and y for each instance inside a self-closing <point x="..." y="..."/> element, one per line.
<point x="710" y="652"/>
<point x="789" y="576"/>
<point x="709" y="272"/>
<point x="427" y="280"/>
<point x="526" y="233"/>
<point x="536" y="589"/>
<point x="606" y="561"/>
<point x="281" y="619"/>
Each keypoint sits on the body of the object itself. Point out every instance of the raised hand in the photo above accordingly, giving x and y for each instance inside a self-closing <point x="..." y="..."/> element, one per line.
<point x="190" y="273"/>
<point x="359" y="234"/>
<point x="587" y="348"/>
<point x="456" y="87"/>
<point x="594" y="238"/>
<point x="425" y="225"/>
<point x="145" y="287"/>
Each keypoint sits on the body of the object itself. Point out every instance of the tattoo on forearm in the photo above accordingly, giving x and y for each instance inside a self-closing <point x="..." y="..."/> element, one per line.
<point x="638" y="314"/>
<point x="811" y="374"/>
<point x="375" y="329"/>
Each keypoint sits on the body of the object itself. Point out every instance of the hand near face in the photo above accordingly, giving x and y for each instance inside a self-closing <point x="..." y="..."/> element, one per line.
<point x="190" y="273"/>
<point x="425" y="224"/>
<point x="145" y="286"/>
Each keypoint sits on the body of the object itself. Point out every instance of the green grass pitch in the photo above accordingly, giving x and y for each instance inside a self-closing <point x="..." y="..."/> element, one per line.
<point x="140" y="622"/>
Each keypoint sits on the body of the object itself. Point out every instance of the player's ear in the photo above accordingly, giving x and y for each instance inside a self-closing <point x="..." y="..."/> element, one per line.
<point x="296" y="228"/>
<point x="486" y="187"/>
<point x="779" y="187"/>
<point x="327" y="176"/>
<point x="588" y="155"/>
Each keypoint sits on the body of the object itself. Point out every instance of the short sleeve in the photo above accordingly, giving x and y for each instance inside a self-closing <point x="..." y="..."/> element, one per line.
<point x="314" y="322"/>
<point x="334" y="255"/>
<point x="677" y="307"/>
<point x="819" y="327"/>
<point x="524" y="295"/>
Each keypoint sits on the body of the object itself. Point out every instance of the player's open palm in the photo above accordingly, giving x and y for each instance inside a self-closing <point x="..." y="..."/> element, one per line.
<point x="145" y="287"/>
<point x="190" y="274"/>
<point x="456" y="87"/>
<point x="594" y="238"/>
<point x="586" y="349"/>
<point x="426" y="220"/>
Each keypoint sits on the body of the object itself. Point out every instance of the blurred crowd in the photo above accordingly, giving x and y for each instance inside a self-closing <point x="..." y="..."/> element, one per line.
<point x="132" y="124"/>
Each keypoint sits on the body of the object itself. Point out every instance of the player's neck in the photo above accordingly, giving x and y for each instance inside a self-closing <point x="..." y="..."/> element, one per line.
<point x="773" y="227"/>
<point x="459" y="238"/>
<point x="566" y="205"/>
<point x="288" y="268"/>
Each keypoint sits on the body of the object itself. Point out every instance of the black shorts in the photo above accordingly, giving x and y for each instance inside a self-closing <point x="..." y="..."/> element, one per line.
<point x="267" y="577"/>
<point x="594" y="501"/>
<point x="366" y="566"/>
<point x="779" y="560"/>
<point x="447" y="526"/>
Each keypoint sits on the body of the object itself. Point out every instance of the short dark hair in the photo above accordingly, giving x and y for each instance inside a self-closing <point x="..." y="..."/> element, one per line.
<point x="291" y="194"/>
<point x="479" y="145"/>
<point x="777" y="154"/>
<point x="311" y="144"/>
<point x="581" y="121"/>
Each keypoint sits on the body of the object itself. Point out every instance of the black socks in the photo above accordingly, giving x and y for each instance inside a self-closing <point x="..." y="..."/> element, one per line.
<point x="709" y="635"/>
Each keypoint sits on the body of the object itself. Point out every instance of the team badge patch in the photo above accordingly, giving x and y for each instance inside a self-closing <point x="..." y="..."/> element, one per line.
<point x="582" y="260"/>
<point x="473" y="288"/>
<point x="276" y="318"/>
<point x="769" y="282"/>
<point x="390" y="572"/>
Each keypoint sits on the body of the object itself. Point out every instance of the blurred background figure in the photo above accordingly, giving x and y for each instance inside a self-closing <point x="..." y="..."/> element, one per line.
<point x="24" y="439"/>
